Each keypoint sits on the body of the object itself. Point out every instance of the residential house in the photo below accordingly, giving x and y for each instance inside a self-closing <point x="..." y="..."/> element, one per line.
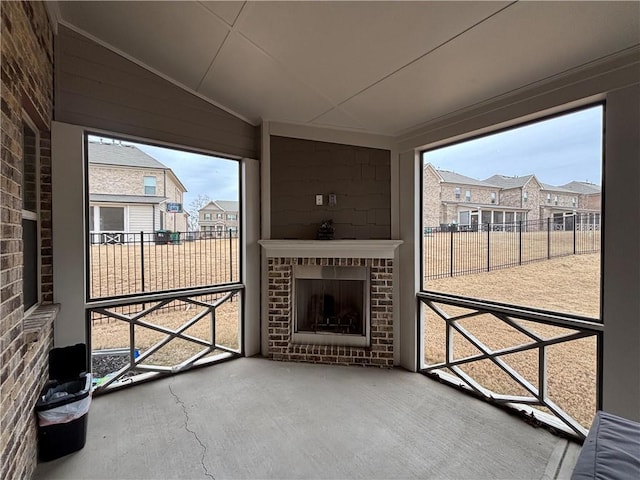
<point x="219" y="218"/>
<point x="131" y="192"/>
<point x="396" y="78"/>
<point x="450" y="198"/>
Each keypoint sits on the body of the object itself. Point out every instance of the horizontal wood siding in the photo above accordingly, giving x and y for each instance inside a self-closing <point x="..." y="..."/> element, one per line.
<point x="141" y="218"/>
<point x="98" y="88"/>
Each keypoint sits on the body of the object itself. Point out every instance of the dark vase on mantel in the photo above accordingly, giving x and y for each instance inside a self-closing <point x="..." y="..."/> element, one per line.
<point x="325" y="232"/>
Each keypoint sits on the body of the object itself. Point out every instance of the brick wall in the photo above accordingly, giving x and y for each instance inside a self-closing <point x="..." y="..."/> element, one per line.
<point x="360" y="177"/>
<point x="431" y="200"/>
<point x="123" y="180"/>
<point x="379" y="353"/>
<point x="27" y="83"/>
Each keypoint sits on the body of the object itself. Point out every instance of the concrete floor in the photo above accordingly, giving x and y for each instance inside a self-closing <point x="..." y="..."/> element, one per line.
<point x="255" y="418"/>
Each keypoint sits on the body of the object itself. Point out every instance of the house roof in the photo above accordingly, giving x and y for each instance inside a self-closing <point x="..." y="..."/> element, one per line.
<point x="108" y="198"/>
<point x="125" y="155"/>
<point x="222" y="205"/>
<point x="504" y="181"/>
<point x="554" y="188"/>
<point x="452" y="177"/>
<point x="583" y="187"/>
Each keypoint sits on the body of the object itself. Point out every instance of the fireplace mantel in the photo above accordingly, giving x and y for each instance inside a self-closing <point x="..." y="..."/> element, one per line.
<point x="330" y="248"/>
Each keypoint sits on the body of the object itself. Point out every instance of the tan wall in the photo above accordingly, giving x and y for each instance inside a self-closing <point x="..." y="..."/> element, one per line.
<point x="360" y="177"/>
<point x="590" y="202"/>
<point x="512" y="197"/>
<point x="563" y="199"/>
<point x="27" y="83"/>
<point x="431" y="198"/>
<point x="478" y="194"/>
<point x="123" y="180"/>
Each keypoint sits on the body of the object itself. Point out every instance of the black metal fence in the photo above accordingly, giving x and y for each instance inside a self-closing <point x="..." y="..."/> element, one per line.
<point x="132" y="263"/>
<point x="451" y="250"/>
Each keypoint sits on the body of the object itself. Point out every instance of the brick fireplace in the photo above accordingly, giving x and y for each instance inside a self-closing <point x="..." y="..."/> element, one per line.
<point x="333" y="343"/>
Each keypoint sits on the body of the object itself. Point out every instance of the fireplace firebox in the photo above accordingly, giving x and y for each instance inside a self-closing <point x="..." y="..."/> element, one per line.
<point x="331" y="305"/>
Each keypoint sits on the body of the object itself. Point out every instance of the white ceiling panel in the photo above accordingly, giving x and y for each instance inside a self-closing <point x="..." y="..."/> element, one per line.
<point x="178" y="39"/>
<point x="243" y="76"/>
<point x="382" y="67"/>
<point x="342" y="47"/>
<point x="227" y="11"/>
<point x="338" y="118"/>
<point x="526" y="43"/>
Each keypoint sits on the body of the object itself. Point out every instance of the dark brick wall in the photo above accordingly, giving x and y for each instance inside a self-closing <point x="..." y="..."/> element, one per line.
<point x="360" y="177"/>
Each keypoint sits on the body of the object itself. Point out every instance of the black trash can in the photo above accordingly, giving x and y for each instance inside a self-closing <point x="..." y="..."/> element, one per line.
<point x="161" y="237"/>
<point x="63" y="406"/>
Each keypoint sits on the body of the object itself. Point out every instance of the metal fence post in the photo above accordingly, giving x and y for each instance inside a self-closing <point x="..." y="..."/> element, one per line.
<point x="548" y="238"/>
<point x="230" y="256"/>
<point x="488" y="247"/>
<point x="451" y="256"/>
<point x="142" y="259"/>
<point x="520" y="243"/>
<point x="574" y="234"/>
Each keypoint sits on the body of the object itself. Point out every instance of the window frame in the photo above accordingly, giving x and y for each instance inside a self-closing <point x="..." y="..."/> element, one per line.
<point x="241" y="181"/>
<point x="32" y="216"/>
<point x="598" y="220"/>
<point x="154" y="186"/>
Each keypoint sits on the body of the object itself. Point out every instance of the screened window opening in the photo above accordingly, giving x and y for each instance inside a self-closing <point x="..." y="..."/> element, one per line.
<point x="166" y="239"/>
<point x="532" y="246"/>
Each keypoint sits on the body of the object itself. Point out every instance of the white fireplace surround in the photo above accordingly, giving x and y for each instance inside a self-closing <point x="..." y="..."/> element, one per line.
<point x="330" y="248"/>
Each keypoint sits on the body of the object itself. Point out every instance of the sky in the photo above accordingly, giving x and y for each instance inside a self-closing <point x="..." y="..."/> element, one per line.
<point x="557" y="151"/>
<point x="218" y="178"/>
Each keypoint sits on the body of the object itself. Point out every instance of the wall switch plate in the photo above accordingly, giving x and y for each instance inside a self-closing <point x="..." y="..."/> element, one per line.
<point x="319" y="199"/>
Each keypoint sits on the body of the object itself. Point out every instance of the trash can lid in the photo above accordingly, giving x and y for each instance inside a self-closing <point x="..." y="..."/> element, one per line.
<point x="67" y="362"/>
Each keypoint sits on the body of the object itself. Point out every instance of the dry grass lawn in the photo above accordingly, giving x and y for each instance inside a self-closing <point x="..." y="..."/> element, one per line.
<point x="566" y="284"/>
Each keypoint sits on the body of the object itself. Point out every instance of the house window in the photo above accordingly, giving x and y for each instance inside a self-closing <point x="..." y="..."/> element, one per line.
<point x="207" y="216"/>
<point x="111" y="219"/>
<point x="548" y="198"/>
<point x="219" y="216"/>
<point x="30" y="277"/>
<point x="457" y="192"/>
<point x="525" y="196"/>
<point x="231" y="216"/>
<point x="493" y="197"/>
<point x="574" y="201"/>
<point x="467" y="195"/>
<point x="149" y="185"/>
<point x="555" y="199"/>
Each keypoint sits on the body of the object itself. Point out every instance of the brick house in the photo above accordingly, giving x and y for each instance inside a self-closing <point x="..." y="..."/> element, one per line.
<point x="129" y="191"/>
<point x="102" y="88"/>
<point x="450" y="198"/>
<point x="219" y="217"/>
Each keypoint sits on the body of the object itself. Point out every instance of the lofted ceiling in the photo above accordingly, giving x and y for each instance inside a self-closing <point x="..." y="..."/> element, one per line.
<point x="378" y="67"/>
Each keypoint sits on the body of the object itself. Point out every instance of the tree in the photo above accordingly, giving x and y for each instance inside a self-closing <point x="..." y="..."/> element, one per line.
<point x="194" y="207"/>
